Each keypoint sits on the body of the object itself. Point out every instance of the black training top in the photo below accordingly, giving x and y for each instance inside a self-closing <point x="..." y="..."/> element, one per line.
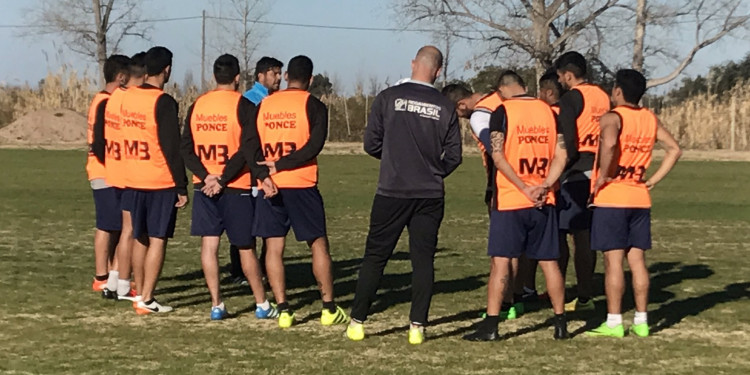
<point x="413" y="129"/>
<point x="571" y="106"/>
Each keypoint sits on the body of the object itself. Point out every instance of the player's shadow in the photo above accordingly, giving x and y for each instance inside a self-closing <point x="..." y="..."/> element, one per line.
<point x="669" y="314"/>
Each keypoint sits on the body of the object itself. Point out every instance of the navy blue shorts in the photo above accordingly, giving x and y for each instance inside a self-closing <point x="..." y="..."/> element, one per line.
<point x="230" y="212"/>
<point x="572" y="201"/>
<point x="153" y="213"/>
<point x="107" y="206"/>
<point x="300" y="209"/>
<point x="620" y="228"/>
<point x="126" y="200"/>
<point x="529" y="231"/>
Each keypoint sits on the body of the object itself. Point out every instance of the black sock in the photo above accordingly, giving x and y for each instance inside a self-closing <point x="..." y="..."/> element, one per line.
<point x="517" y="297"/>
<point x="101" y="278"/>
<point x="490" y="322"/>
<point x="331" y="306"/>
<point x="283" y="306"/>
<point x="560" y="318"/>
<point x="506" y="306"/>
<point x="152" y="300"/>
<point x="583" y="299"/>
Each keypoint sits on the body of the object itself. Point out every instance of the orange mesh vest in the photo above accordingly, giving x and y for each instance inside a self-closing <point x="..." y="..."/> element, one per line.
<point x="94" y="168"/>
<point x="114" y="173"/>
<point x="556" y="109"/>
<point x="595" y="105"/>
<point x="143" y="160"/>
<point x="283" y="127"/>
<point x="529" y="148"/>
<point x="216" y="133"/>
<point x="636" y="143"/>
<point x="488" y="103"/>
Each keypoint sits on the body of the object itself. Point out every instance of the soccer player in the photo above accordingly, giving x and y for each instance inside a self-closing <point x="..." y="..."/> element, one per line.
<point x="580" y="110"/>
<point x="210" y="147"/>
<point x="413" y="130"/>
<point x="549" y="92"/>
<point x="115" y="176"/>
<point x="292" y="125"/>
<point x="529" y="154"/>
<point x="155" y="170"/>
<point x="106" y="197"/>
<point x="267" y="81"/>
<point x="621" y="222"/>
<point x="477" y="108"/>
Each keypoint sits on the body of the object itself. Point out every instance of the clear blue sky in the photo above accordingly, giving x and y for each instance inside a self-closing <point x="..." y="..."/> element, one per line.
<point x="345" y="55"/>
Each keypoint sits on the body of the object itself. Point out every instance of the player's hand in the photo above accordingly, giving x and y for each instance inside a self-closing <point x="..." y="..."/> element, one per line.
<point x="535" y="194"/>
<point x="182" y="201"/>
<point x="650" y="184"/>
<point x="270" y="164"/>
<point x="269" y="188"/>
<point x="211" y="189"/>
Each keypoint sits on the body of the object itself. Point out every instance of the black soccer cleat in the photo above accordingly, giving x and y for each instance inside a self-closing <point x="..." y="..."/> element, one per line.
<point x="482" y="335"/>
<point x="561" y="328"/>
<point x="107" y="294"/>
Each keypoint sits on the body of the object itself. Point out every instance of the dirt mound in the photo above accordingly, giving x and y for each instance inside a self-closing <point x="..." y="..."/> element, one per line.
<point x="46" y="127"/>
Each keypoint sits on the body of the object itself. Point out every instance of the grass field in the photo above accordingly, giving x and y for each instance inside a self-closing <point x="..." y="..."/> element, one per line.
<point x="52" y="323"/>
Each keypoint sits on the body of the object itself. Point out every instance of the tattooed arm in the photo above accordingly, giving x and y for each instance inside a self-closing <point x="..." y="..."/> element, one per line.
<point x="558" y="163"/>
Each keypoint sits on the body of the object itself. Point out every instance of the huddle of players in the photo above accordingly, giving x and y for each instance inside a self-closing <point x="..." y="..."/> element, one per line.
<point x="575" y="166"/>
<point x="137" y="164"/>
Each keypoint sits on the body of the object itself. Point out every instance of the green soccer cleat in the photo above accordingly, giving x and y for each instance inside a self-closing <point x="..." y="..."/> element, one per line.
<point x="575" y="305"/>
<point x="520" y="308"/>
<point x="511" y="314"/>
<point x="339" y="317"/>
<point x="416" y="335"/>
<point x="640" y="330"/>
<point x="606" y="331"/>
<point x="286" y="319"/>
<point x="355" y="331"/>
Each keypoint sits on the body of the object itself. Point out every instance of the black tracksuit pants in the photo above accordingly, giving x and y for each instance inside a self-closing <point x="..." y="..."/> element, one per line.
<point x="389" y="216"/>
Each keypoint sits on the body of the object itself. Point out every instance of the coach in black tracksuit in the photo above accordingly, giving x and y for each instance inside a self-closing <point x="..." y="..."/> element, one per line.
<point x="414" y="131"/>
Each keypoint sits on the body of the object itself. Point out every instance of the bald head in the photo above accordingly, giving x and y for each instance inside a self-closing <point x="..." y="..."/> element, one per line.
<point x="427" y="64"/>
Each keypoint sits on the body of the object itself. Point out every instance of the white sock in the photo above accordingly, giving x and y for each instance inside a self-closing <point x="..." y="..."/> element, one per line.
<point x="123" y="287"/>
<point x="614" y="320"/>
<point x="221" y="306"/>
<point x="112" y="280"/>
<point x="640" y="317"/>
<point x="417" y="325"/>
<point x="265" y="305"/>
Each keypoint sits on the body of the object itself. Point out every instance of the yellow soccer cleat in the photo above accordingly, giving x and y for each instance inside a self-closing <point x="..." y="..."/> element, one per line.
<point x="355" y="332"/>
<point x="286" y="319"/>
<point x="328" y="318"/>
<point x="576" y="305"/>
<point x="416" y="335"/>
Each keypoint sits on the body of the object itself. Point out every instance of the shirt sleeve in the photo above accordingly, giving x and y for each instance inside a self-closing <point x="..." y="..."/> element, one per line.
<point x="246" y="113"/>
<point x="571" y="106"/>
<point x="373" y="142"/>
<point x="317" y="115"/>
<point x="452" y="148"/>
<point x="99" y="145"/>
<point x="499" y="121"/>
<point x="168" y="132"/>
<point x="480" y="126"/>
<point x="250" y="146"/>
<point x="187" y="148"/>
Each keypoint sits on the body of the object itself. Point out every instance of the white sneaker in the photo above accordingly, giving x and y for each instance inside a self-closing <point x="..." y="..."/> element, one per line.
<point x="142" y="308"/>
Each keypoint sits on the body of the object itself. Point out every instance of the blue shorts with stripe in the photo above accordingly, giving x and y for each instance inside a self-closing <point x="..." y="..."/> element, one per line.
<point x="529" y="231"/>
<point x="299" y="209"/>
<point x="230" y="212"/>
<point x="620" y="228"/>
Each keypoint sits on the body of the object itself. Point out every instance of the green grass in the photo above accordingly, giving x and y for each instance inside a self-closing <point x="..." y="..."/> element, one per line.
<point x="52" y="323"/>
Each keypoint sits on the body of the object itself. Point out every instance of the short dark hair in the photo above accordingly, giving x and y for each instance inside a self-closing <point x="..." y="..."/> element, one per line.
<point x="265" y="64"/>
<point x="226" y="68"/>
<point x="300" y="69"/>
<point x="510" y="77"/>
<point x="572" y="62"/>
<point x="549" y="81"/>
<point x="456" y="92"/>
<point x="632" y="83"/>
<point x="138" y="65"/>
<point x="157" y="59"/>
<point x="115" y="65"/>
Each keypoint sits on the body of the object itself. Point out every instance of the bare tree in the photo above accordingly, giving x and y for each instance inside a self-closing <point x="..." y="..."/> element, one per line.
<point x="539" y="29"/>
<point x="93" y="28"/>
<point x="709" y="22"/>
<point x="238" y="31"/>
